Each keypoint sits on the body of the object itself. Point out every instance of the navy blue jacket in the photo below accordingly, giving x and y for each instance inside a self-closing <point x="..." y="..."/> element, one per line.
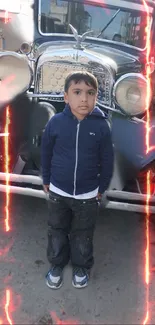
<point x="77" y="157"/>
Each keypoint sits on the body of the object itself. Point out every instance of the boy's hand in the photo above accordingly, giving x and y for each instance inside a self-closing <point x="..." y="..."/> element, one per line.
<point x="99" y="196"/>
<point x="102" y="198"/>
<point x="46" y="188"/>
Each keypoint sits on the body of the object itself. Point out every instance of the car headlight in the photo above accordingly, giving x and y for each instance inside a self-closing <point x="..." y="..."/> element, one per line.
<point x="130" y="93"/>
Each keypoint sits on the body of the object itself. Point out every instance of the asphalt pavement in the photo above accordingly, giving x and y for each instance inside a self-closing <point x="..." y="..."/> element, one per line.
<point x="117" y="292"/>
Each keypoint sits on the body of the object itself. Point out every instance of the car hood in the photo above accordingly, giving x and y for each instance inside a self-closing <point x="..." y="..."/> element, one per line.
<point x="125" y="62"/>
<point x="119" y="59"/>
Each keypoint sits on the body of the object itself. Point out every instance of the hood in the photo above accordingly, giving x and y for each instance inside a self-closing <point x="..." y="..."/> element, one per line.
<point x="125" y="62"/>
<point x="96" y="112"/>
<point x="125" y="57"/>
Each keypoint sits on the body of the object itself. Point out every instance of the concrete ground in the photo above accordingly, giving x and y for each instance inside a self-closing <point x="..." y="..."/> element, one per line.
<point x="116" y="293"/>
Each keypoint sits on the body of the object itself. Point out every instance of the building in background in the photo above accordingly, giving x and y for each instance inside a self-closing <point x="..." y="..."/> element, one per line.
<point x="16" y="24"/>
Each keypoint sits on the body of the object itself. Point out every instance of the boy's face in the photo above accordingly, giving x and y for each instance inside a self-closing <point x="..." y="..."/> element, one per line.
<point x="81" y="99"/>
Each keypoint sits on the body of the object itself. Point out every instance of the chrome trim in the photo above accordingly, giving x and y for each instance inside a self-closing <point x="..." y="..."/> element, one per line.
<point x="111" y="194"/>
<point x="25" y="68"/>
<point x="73" y="59"/>
<point x="125" y="205"/>
<point x="131" y="74"/>
<point x="32" y="95"/>
<point x="46" y="96"/>
<point x="49" y="97"/>
<point x="111" y="109"/>
<point x="128" y="207"/>
<point x="115" y="194"/>
<point x="24" y="191"/>
<point x="114" y="110"/>
<point x="21" y="178"/>
<point x="79" y="38"/>
<point x="22" y="50"/>
<point x="19" y="56"/>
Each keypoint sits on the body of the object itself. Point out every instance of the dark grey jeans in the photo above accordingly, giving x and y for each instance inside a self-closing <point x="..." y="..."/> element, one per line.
<point x="71" y="227"/>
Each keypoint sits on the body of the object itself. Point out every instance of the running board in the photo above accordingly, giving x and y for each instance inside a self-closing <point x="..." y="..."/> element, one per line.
<point x="133" y="202"/>
<point x="114" y="194"/>
<point x="26" y="179"/>
<point x="24" y="191"/>
<point x="35" y="180"/>
<point x="123" y="206"/>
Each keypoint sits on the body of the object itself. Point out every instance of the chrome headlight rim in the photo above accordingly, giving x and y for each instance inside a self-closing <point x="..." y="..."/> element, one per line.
<point x="123" y="77"/>
<point x="15" y="63"/>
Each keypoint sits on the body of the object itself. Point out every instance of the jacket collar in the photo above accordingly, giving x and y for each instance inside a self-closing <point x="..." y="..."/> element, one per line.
<point x="96" y="112"/>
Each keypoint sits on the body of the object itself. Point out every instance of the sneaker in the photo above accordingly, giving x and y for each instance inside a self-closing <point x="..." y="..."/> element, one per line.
<point x="54" y="277"/>
<point x="80" y="277"/>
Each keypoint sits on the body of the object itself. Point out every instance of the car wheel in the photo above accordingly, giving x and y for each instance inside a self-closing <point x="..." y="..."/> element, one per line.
<point x="42" y="112"/>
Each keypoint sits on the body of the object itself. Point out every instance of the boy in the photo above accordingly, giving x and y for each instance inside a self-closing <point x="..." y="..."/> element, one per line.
<point x="77" y="165"/>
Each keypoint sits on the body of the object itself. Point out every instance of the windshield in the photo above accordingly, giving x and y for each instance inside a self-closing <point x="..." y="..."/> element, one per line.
<point x="128" y="25"/>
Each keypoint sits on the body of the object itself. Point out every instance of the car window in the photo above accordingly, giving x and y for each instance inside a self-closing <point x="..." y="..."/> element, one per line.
<point x="128" y="26"/>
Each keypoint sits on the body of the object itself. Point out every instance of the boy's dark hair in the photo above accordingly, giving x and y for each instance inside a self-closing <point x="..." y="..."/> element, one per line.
<point x="78" y="76"/>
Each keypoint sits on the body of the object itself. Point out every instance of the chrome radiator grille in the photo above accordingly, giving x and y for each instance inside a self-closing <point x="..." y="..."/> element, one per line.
<point x="51" y="77"/>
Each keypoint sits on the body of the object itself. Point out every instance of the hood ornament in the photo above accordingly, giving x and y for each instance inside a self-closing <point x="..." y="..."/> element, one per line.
<point x="79" y="38"/>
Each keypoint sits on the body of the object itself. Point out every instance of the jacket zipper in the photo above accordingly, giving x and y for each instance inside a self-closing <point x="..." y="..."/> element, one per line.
<point x="76" y="156"/>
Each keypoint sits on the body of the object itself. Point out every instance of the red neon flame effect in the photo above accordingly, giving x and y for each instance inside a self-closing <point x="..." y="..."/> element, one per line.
<point x="148" y="72"/>
<point x="146" y="318"/>
<point x="7" y="305"/>
<point x="4" y="251"/>
<point x="4" y="84"/>
<point x="58" y="321"/>
<point x="148" y="48"/>
<point x="6" y="148"/>
<point x="147" y="270"/>
<point x="148" y="149"/>
<point x="147" y="251"/>
<point x="6" y="17"/>
<point x="7" y="81"/>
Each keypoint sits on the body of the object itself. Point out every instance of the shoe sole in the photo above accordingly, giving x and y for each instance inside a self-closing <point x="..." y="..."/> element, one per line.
<point x="78" y="286"/>
<point x="53" y="287"/>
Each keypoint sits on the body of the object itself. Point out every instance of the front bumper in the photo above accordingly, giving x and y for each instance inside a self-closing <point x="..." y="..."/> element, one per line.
<point x="128" y="201"/>
<point x="27" y="182"/>
<point x="118" y="200"/>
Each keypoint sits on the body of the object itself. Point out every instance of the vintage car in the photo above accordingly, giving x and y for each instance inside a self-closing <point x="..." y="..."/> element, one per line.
<point x="107" y="38"/>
